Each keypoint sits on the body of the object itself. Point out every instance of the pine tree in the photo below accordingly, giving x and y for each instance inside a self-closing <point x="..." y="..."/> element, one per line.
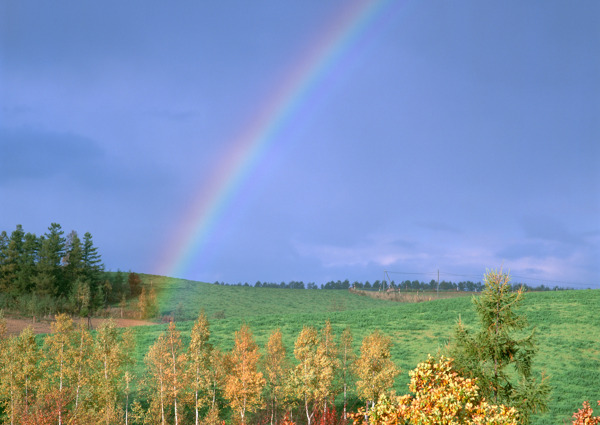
<point x="11" y="261"/>
<point x="374" y="368"/>
<point x="49" y="278"/>
<point x="73" y="259"/>
<point x="496" y="354"/>
<point x="243" y="382"/>
<point x="93" y="270"/>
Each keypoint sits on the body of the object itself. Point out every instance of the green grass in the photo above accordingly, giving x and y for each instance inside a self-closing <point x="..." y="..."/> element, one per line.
<point x="567" y="327"/>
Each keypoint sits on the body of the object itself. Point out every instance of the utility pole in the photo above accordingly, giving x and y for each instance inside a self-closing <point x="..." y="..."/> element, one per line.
<point x="438" y="284"/>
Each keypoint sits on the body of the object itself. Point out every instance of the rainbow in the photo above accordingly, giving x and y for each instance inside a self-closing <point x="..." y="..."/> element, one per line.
<point x="209" y="206"/>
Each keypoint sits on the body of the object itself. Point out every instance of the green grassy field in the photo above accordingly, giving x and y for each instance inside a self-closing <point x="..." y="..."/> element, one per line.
<point x="567" y="326"/>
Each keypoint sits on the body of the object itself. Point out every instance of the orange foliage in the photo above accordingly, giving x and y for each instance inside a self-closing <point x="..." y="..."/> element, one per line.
<point x="441" y="397"/>
<point x="584" y="415"/>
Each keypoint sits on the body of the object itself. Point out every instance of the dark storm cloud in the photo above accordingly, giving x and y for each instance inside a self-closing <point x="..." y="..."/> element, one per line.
<point x="538" y="250"/>
<point x="549" y="229"/>
<point x="32" y="154"/>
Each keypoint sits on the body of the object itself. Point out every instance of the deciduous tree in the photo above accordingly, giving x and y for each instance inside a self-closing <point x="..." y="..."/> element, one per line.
<point x="111" y="353"/>
<point x="347" y="358"/>
<point x="199" y="358"/>
<point x="58" y="364"/>
<point x="276" y="370"/>
<point x="312" y="374"/>
<point x="440" y="396"/>
<point x="374" y="368"/>
<point x="243" y="382"/>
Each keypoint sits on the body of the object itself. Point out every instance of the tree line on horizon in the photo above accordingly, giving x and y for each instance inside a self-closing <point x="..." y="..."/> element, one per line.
<point x="378" y="285"/>
<point x="79" y="377"/>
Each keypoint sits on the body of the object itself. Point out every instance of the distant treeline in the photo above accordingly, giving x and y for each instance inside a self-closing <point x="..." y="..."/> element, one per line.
<point x="379" y="285"/>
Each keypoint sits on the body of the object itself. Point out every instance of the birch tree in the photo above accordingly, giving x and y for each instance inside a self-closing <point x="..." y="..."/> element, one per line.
<point x="110" y="355"/>
<point x="312" y="372"/>
<point x="58" y="363"/>
<point x="175" y="373"/>
<point x="156" y="381"/>
<point x="199" y="361"/>
<point x="347" y="357"/>
<point x="329" y="367"/>
<point x="277" y="369"/>
<point x="374" y="367"/>
<point x="243" y="382"/>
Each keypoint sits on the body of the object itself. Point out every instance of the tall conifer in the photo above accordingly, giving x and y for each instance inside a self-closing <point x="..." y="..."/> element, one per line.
<point x="498" y="354"/>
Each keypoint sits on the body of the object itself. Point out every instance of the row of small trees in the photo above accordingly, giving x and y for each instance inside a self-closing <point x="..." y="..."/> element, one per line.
<point x="190" y="381"/>
<point x="76" y="378"/>
<point x="72" y="378"/>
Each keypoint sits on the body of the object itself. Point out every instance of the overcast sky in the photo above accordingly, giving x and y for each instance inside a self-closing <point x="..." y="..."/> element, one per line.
<point x="458" y="136"/>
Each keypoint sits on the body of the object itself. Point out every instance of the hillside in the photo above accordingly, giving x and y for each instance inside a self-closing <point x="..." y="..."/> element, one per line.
<point x="567" y="327"/>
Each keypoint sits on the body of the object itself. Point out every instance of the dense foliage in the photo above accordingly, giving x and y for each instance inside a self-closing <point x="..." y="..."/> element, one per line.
<point x="440" y="396"/>
<point x="499" y="354"/>
<point x="51" y="272"/>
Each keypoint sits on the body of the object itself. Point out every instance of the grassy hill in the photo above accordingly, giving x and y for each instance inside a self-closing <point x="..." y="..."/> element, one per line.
<point x="567" y="327"/>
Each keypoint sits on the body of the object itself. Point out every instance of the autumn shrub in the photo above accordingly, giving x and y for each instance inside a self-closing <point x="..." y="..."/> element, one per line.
<point x="439" y="397"/>
<point x="584" y="415"/>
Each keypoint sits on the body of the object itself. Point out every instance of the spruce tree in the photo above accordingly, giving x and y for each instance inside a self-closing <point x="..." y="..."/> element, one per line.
<point x="500" y="354"/>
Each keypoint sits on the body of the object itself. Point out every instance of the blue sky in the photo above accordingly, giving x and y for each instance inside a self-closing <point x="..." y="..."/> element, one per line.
<point x="458" y="136"/>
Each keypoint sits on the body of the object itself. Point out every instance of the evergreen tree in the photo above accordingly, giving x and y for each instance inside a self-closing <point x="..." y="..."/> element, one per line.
<point x="49" y="279"/>
<point x="94" y="271"/>
<point x="73" y="266"/>
<point x="11" y="261"/>
<point x="497" y="355"/>
<point x="26" y="275"/>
